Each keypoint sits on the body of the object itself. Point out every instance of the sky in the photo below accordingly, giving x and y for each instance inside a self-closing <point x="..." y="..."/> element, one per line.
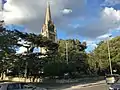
<point x="86" y="20"/>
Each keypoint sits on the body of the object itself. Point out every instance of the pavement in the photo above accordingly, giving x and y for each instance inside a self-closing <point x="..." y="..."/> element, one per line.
<point x="94" y="87"/>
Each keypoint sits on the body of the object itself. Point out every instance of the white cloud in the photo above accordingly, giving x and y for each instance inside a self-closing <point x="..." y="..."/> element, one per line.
<point x="31" y="14"/>
<point x="66" y="11"/>
<point x="24" y="44"/>
<point x="74" y="26"/>
<point x="110" y="14"/>
<point x="109" y="20"/>
<point x="11" y="13"/>
<point x="22" y="50"/>
<point x="118" y="29"/>
<point x="105" y="36"/>
<point x="110" y="2"/>
<point x="91" y="45"/>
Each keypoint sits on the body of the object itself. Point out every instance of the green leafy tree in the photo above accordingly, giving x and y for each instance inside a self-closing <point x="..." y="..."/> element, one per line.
<point x="76" y="53"/>
<point x="8" y="41"/>
<point x="16" y="63"/>
<point x="99" y="59"/>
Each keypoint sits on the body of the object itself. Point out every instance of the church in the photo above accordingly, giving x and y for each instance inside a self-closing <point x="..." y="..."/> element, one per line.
<point x="48" y="29"/>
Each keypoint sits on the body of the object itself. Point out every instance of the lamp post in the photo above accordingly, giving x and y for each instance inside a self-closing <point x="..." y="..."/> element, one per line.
<point x="108" y="45"/>
<point x="67" y="52"/>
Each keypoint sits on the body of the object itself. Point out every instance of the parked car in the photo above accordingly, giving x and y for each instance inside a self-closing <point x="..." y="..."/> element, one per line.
<point x="18" y="86"/>
<point x="115" y="86"/>
<point x="111" y="79"/>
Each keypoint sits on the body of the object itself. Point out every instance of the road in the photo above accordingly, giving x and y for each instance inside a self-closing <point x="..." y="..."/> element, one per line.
<point x="101" y="86"/>
<point x="95" y="87"/>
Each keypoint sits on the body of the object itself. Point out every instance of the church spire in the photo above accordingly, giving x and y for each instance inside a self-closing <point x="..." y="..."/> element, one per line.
<point x="48" y="29"/>
<point x="48" y="14"/>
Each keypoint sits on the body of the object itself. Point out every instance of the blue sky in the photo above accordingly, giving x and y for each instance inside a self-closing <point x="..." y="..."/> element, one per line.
<point x="86" y="20"/>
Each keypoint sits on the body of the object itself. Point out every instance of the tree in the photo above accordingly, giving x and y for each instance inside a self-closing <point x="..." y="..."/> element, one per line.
<point x="55" y="69"/>
<point x="8" y="41"/>
<point x="55" y="57"/>
<point x="99" y="56"/>
<point x="17" y="62"/>
<point x="76" y="53"/>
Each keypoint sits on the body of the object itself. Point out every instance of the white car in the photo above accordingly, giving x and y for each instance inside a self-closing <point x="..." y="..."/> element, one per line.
<point x="18" y="86"/>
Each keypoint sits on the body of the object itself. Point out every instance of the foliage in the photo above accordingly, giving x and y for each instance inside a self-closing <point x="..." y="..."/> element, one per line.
<point x="55" y="69"/>
<point x="17" y="62"/>
<point x="8" y="45"/>
<point x="98" y="59"/>
<point x="53" y="63"/>
<point x="76" y="53"/>
<point x="57" y="64"/>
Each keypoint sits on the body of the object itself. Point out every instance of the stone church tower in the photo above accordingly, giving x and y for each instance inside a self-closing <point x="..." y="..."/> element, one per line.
<point x="48" y="28"/>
